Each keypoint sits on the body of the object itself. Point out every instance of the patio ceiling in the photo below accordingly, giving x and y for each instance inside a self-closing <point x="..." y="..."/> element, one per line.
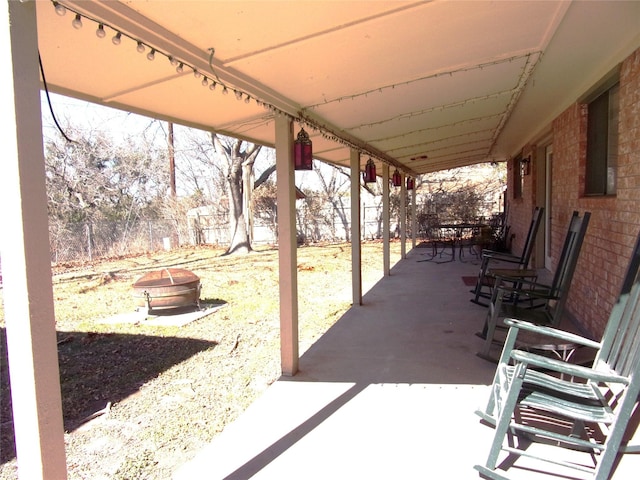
<point x="422" y="86"/>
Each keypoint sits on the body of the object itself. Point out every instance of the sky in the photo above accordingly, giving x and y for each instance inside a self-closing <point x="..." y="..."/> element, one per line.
<point x="120" y="125"/>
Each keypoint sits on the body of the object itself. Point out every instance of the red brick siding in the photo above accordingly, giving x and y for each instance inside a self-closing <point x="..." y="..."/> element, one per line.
<point x="520" y="209"/>
<point x="615" y="221"/>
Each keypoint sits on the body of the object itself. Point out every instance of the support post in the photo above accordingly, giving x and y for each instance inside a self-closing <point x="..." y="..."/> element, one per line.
<point x="403" y="218"/>
<point x="414" y="218"/>
<point x="356" y="241"/>
<point x="26" y="263"/>
<point x="385" y="221"/>
<point x="287" y="244"/>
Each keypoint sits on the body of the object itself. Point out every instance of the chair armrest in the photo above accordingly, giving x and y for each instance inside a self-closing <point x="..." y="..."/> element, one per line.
<point x="552" y="332"/>
<point x="528" y="289"/>
<point x="567" y="368"/>
<point x="513" y="272"/>
<point x="501" y="256"/>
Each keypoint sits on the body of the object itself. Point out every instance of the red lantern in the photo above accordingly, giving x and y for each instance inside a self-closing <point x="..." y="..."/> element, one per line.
<point x="369" y="175"/>
<point x="396" y="179"/>
<point x="302" y="152"/>
<point x="410" y="183"/>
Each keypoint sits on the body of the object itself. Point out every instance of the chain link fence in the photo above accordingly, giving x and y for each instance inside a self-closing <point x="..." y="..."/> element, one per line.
<point x="86" y="241"/>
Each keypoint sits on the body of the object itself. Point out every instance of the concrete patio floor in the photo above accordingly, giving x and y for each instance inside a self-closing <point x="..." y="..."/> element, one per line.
<point x="388" y="392"/>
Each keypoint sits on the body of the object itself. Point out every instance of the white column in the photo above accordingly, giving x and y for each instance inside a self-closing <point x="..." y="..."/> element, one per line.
<point x="356" y="250"/>
<point x="385" y="220"/>
<point x="287" y="255"/>
<point x="26" y="262"/>
<point x="403" y="218"/>
<point x="414" y="217"/>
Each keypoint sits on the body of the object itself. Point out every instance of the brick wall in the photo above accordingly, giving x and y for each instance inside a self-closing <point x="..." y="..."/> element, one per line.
<point x="615" y="221"/>
<point x="520" y="209"/>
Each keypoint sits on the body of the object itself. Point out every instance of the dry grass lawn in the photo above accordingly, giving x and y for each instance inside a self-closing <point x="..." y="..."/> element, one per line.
<point x="169" y="390"/>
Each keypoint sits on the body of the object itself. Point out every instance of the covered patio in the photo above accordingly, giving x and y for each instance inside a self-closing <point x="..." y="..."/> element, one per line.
<point x="389" y="392"/>
<point x="413" y="86"/>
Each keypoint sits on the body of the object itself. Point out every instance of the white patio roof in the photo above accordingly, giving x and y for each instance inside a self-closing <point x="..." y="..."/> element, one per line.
<point x="422" y="86"/>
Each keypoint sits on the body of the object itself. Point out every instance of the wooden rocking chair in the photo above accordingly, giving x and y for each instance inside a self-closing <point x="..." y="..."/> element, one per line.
<point x="581" y="410"/>
<point x="486" y="277"/>
<point x="531" y="301"/>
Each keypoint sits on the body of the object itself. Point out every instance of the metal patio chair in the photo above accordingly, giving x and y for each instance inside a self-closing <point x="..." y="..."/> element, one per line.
<point x="585" y="415"/>
<point x="530" y="300"/>
<point x="486" y="277"/>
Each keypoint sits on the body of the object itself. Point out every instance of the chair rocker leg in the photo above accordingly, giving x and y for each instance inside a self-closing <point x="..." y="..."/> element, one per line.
<point x="492" y="474"/>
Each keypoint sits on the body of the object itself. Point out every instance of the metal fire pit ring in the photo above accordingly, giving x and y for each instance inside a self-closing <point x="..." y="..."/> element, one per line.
<point x="167" y="288"/>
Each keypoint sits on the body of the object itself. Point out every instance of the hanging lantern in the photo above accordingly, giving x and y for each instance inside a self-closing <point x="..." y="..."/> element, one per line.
<point x="369" y="175"/>
<point x="410" y="183"/>
<point x="302" y="152"/>
<point x="396" y="179"/>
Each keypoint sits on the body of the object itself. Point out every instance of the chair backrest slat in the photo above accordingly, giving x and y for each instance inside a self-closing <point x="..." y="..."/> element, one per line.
<point x="527" y="250"/>
<point x="567" y="264"/>
<point x="620" y="350"/>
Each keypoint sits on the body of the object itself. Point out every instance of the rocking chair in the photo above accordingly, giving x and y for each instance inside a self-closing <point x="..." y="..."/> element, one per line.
<point x="589" y="415"/>
<point x="531" y="301"/>
<point x="486" y="277"/>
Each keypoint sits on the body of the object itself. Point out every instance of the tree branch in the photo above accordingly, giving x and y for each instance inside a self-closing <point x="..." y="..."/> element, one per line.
<point x="264" y="176"/>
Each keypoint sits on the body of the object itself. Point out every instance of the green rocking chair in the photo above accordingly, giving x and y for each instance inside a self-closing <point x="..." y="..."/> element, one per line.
<point x="573" y="409"/>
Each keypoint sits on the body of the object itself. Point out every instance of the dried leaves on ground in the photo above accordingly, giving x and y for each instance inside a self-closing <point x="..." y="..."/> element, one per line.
<point x="140" y="400"/>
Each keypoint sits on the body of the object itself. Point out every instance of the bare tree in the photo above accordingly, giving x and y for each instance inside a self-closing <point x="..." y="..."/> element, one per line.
<point x="334" y="189"/>
<point x="240" y="158"/>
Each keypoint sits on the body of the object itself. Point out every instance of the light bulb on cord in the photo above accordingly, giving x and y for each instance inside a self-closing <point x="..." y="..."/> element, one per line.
<point x="77" y="22"/>
<point x="117" y="38"/>
<point x="151" y="55"/>
<point x="100" y="33"/>
<point x="60" y="9"/>
<point x="140" y="47"/>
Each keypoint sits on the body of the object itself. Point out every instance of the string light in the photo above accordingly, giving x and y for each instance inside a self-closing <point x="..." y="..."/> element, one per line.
<point x="438" y="108"/>
<point x="77" y="22"/>
<point x="60" y="9"/>
<point x="526" y="56"/>
<point x="141" y="47"/>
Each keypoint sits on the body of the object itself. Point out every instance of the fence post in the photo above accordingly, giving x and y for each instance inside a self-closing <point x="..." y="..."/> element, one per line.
<point x="89" y="242"/>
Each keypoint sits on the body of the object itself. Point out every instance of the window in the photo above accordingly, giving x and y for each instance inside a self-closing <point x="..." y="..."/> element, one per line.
<point x="602" y="143"/>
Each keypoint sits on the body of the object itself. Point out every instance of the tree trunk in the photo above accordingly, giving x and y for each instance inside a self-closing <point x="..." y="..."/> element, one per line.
<point x="239" y="241"/>
<point x="247" y="185"/>
<point x="239" y="181"/>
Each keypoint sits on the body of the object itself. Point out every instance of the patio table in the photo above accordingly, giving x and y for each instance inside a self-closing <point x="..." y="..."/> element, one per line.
<point x="455" y="234"/>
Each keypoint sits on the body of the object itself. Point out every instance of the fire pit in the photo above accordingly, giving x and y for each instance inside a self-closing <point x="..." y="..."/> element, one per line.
<point x="167" y="288"/>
